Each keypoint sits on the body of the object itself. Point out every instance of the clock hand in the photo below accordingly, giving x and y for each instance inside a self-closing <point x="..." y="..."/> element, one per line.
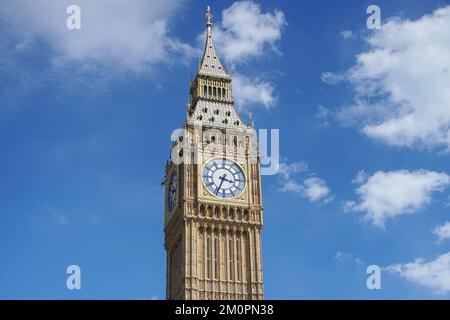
<point x="223" y="178"/>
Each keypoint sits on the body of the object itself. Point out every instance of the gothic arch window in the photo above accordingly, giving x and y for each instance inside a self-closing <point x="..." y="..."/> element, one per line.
<point x="238" y="214"/>
<point x="205" y="90"/>
<point x="223" y="254"/>
<point x="208" y="257"/>
<point x="246" y="215"/>
<point x="209" y="90"/>
<point x="201" y="252"/>
<point x="217" y="212"/>
<point x="235" y="141"/>
<point x="216" y="258"/>
<point x="230" y="260"/>
<point x="214" y="91"/>
<point x="238" y="260"/>
<point x="209" y="211"/>
<point x="224" y="213"/>
<point x="231" y="214"/>
<point x="223" y="92"/>
<point x="219" y="92"/>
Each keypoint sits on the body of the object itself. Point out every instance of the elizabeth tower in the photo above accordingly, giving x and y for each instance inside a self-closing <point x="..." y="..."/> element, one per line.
<point x="213" y="206"/>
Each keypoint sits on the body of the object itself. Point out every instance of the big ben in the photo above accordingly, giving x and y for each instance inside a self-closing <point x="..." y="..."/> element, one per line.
<point x="213" y="206"/>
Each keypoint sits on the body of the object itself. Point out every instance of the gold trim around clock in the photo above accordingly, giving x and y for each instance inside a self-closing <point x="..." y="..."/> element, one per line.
<point x="240" y="195"/>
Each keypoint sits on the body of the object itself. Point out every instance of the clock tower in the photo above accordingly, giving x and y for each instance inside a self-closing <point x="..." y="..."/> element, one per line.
<point x="213" y="207"/>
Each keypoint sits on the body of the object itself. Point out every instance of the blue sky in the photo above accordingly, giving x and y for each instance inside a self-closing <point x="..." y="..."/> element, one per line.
<point x="86" y="117"/>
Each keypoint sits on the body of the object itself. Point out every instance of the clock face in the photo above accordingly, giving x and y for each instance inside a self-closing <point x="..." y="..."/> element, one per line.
<point x="172" y="192"/>
<point x="223" y="178"/>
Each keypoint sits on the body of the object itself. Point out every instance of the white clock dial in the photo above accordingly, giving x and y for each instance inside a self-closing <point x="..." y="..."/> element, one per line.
<point x="223" y="178"/>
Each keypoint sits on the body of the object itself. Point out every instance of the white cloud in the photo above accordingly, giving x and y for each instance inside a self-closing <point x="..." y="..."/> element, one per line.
<point x="341" y="256"/>
<point x="433" y="274"/>
<point x="315" y="189"/>
<point x="292" y="186"/>
<point x="385" y="195"/>
<point x="245" y="31"/>
<point x="323" y="114"/>
<point x="132" y="34"/>
<point x="401" y="83"/>
<point x="312" y="188"/>
<point x="443" y="231"/>
<point x="360" y="178"/>
<point x="286" y="170"/>
<point x="347" y="34"/>
<point x="247" y="92"/>
<point x="332" y="78"/>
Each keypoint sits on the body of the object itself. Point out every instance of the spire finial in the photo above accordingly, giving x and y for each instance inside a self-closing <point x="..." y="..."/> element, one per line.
<point x="250" y="115"/>
<point x="208" y="17"/>
<point x="210" y="63"/>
